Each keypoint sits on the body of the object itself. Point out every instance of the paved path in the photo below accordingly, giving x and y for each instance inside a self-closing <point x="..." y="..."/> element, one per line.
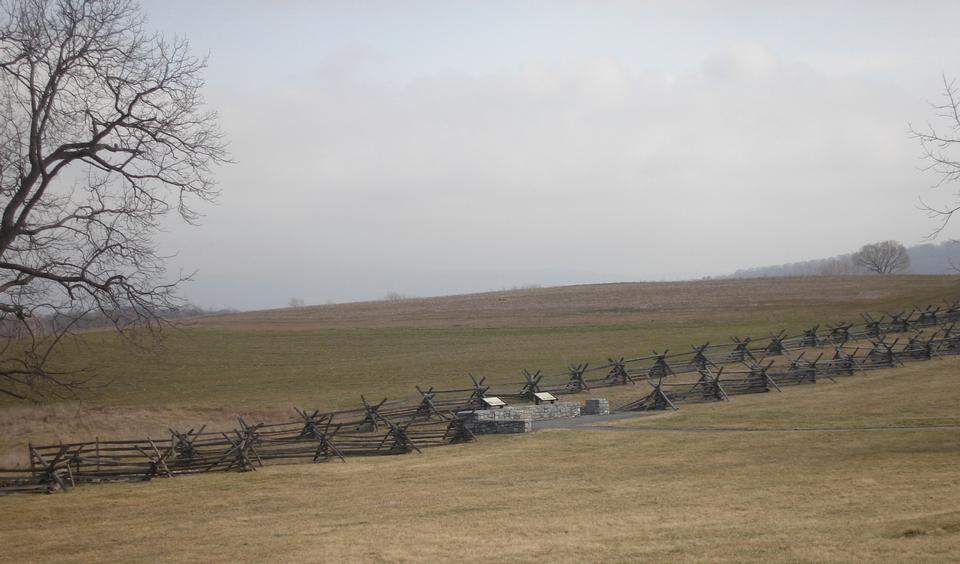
<point x="772" y="430"/>
<point x="587" y="422"/>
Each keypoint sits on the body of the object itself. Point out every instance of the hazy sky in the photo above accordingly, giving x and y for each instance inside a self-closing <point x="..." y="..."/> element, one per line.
<point x="439" y="147"/>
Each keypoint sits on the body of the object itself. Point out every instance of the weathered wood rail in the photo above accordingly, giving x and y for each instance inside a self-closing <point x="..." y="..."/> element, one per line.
<point x="766" y="375"/>
<point x="706" y="372"/>
<point x="316" y="436"/>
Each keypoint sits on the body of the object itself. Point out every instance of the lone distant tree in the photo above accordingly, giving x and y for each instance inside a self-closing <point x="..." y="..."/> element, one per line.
<point x="886" y="257"/>
<point x="103" y="131"/>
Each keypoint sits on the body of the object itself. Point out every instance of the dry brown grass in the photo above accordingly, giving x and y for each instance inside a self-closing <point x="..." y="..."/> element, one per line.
<point x="566" y="496"/>
<point x="73" y="422"/>
<point x="260" y="364"/>
<point x="609" y="304"/>
<point x="920" y="393"/>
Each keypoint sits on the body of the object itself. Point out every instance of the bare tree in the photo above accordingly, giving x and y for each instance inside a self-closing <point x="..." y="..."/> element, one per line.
<point x="103" y="132"/>
<point x="939" y="145"/>
<point x="886" y="257"/>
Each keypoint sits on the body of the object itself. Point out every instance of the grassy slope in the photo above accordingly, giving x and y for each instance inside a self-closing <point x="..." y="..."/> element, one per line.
<point x="572" y="495"/>
<point x="261" y="363"/>
<point x="916" y="394"/>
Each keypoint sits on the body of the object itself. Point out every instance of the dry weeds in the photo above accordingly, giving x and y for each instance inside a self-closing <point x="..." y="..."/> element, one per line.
<point x="264" y="363"/>
<point x="566" y="496"/>
<point x="608" y="304"/>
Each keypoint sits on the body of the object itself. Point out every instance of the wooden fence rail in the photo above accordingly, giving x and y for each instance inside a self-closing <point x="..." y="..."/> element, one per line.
<point x="707" y="372"/>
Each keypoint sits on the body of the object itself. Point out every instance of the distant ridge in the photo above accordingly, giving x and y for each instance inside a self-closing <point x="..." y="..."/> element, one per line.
<point x="927" y="258"/>
<point x="615" y="304"/>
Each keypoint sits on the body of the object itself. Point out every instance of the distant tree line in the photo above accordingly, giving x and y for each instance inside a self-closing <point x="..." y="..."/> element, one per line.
<point x="887" y="257"/>
<point x="840" y="265"/>
<point x="95" y="320"/>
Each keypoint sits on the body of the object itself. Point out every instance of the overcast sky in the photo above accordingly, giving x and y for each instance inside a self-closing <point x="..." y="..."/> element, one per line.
<point x="444" y="147"/>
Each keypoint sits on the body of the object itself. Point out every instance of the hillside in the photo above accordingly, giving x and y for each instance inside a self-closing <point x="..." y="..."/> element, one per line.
<point x="829" y="471"/>
<point x="698" y="485"/>
<point x="259" y="364"/>
<point x="601" y="304"/>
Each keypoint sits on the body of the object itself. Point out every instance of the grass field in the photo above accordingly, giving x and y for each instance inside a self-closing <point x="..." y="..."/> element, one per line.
<point x="647" y="492"/>
<point x="260" y="364"/>
<point x="571" y="495"/>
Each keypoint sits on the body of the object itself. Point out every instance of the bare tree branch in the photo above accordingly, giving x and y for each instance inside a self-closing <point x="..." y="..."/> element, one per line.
<point x="886" y="257"/>
<point x="938" y="149"/>
<point x="103" y="132"/>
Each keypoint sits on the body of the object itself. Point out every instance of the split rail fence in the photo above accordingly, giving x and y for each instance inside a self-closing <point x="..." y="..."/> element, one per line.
<point x="707" y="372"/>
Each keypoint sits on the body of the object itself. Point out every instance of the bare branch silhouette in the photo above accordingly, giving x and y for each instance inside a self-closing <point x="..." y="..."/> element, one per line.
<point x="104" y="131"/>
<point x="886" y="257"/>
<point x="938" y="146"/>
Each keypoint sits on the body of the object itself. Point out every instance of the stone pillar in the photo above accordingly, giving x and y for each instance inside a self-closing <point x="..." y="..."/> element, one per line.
<point x="596" y="406"/>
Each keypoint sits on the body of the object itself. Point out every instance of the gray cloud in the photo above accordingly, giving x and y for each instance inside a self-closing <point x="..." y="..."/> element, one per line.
<point x="351" y="182"/>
